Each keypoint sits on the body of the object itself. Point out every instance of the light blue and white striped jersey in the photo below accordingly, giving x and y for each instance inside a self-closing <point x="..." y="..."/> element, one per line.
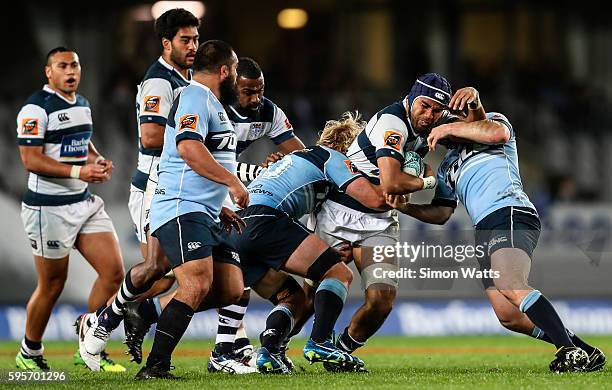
<point x="484" y="178"/>
<point x="63" y="128"/>
<point x="298" y="182"/>
<point x="196" y="114"/>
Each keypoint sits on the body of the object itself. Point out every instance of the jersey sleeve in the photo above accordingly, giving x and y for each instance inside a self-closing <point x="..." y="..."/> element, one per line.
<point x="281" y="129"/>
<point x="155" y="99"/>
<point x="192" y="116"/>
<point x="444" y="195"/>
<point x="389" y="136"/>
<point x="501" y="118"/>
<point x="339" y="170"/>
<point x="31" y="125"/>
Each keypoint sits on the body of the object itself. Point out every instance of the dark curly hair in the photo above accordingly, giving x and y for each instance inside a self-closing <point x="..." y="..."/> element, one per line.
<point x="168" y="24"/>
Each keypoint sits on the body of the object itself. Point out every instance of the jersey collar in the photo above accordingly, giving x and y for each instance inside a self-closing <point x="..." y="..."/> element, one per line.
<point x="170" y="67"/>
<point x="406" y="105"/>
<point x="47" y="88"/>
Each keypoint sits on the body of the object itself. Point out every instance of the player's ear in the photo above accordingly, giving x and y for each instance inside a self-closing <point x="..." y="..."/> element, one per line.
<point x="166" y="44"/>
<point x="48" y="71"/>
<point x="224" y="71"/>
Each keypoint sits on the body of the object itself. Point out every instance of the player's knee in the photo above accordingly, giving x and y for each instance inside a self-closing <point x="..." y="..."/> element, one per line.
<point x="113" y="279"/>
<point x="380" y="302"/>
<point x="232" y="295"/>
<point x="329" y="264"/>
<point x="53" y="287"/>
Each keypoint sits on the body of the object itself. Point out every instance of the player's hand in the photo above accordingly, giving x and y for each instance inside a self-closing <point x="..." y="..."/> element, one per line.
<point x="272" y="158"/>
<point x="346" y="252"/>
<point x="108" y="167"/>
<point x="230" y="220"/>
<point x="462" y="97"/>
<point x="438" y="133"/>
<point x="93" y="173"/>
<point x="396" y="201"/>
<point x="239" y="194"/>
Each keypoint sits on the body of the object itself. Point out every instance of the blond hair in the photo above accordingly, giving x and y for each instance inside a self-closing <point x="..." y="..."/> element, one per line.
<point x="339" y="134"/>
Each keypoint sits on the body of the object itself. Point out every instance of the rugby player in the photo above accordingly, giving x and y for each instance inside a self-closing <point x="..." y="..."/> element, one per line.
<point x="196" y="174"/>
<point x="481" y="170"/>
<point x="378" y="151"/>
<point x="54" y="130"/>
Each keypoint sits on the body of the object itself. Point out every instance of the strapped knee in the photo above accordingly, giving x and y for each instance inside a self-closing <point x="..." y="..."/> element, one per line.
<point x="322" y="264"/>
<point x="289" y="287"/>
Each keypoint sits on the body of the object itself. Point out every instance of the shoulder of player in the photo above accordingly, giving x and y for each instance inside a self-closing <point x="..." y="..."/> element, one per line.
<point x="38" y="98"/>
<point x="159" y="73"/>
<point x="267" y="112"/>
<point x="395" y="113"/>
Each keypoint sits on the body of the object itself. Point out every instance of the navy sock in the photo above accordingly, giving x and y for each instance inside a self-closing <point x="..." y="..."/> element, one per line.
<point x="541" y="335"/>
<point x="328" y="302"/>
<point x="347" y="343"/>
<point x="109" y="319"/>
<point x="542" y="313"/>
<point x="278" y="326"/>
<point x="171" y="326"/>
<point x="34" y="345"/>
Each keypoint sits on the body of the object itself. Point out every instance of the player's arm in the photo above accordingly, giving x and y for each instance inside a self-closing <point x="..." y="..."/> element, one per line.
<point x="156" y="99"/>
<point x="487" y="131"/>
<point x="34" y="160"/>
<point x="198" y="157"/>
<point x="429" y="213"/>
<point x="291" y="145"/>
<point x="152" y="135"/>
<point x="367" y="194"/>
<point x="394" y="181"/>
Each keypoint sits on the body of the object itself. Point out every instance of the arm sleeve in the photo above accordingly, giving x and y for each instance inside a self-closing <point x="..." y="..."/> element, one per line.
<point x="31" y="125"/>
<point x="339" y="170"/>
<point x="155" y="99"/>
<point x="389" y="136"/>
<point x="444" y="195"/>
<point x="192" y="116"/>
<point x="281" y="129"/>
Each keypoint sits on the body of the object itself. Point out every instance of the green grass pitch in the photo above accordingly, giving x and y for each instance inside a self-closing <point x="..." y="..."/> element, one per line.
<point x="491" y="362"/>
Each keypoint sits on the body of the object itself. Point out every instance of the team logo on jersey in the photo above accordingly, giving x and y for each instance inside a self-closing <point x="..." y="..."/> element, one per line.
<point x="393" y="139"/>
<point x="288" y="124"/>
<point x="151" y="103"/>
<point x="29" y="126"/>
<point x="351" y="167"/>
<point x="256" y="129"/>
<point x="63" y="117"/>
<point x="188" y="122"/>
<point x="222" y="116"/>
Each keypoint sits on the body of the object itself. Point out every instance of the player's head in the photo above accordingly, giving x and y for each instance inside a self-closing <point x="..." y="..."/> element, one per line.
<point x="63" y="69"/>
<point x="428" y="99"/>
<point x="339" y="134"/>
<point x="250" y="84"/>
<point x="217" y="58"/>
<point x="177" y="29"/>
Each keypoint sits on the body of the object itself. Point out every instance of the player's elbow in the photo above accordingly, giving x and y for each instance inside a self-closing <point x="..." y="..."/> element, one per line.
<point x="443" y="215"/>
<point x="30" y="162"/>
<point x="500" y="135"/>
<point x="375" y="201"/>
<point x="150" y="141"/>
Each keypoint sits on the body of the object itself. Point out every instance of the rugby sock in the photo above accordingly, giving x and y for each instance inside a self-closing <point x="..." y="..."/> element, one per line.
<point x="328" y="302"/>
<point x="539" y="334"/>
<point x="171" y="326"/>
<point x="542" y="313"/>
<point x="347" y="343"/>
<point x="230" y="318"/>
<point x="109" y="318"/>
<point x="241" y="339"/>
<point x="31" y="348"/>
<point x="278" y="325"/>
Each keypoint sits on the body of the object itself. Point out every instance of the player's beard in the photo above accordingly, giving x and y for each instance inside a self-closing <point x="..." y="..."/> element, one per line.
<point x="180" y="61"/>
<point x="228" y="91"/>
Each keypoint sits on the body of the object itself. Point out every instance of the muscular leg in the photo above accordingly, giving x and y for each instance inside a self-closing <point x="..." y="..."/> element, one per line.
<point x="102" y="251"/>
<point x="513" y="266"/>
<point x="52" y="275"/>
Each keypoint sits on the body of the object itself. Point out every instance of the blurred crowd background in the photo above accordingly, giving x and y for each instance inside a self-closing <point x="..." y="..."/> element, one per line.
<point x="546" y="65"/>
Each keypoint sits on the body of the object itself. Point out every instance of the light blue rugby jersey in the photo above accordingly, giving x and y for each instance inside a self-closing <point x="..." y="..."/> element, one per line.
<point x="299" y="181"/>
<point x="198" y="115"/>
<point x="485" y="178"/>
